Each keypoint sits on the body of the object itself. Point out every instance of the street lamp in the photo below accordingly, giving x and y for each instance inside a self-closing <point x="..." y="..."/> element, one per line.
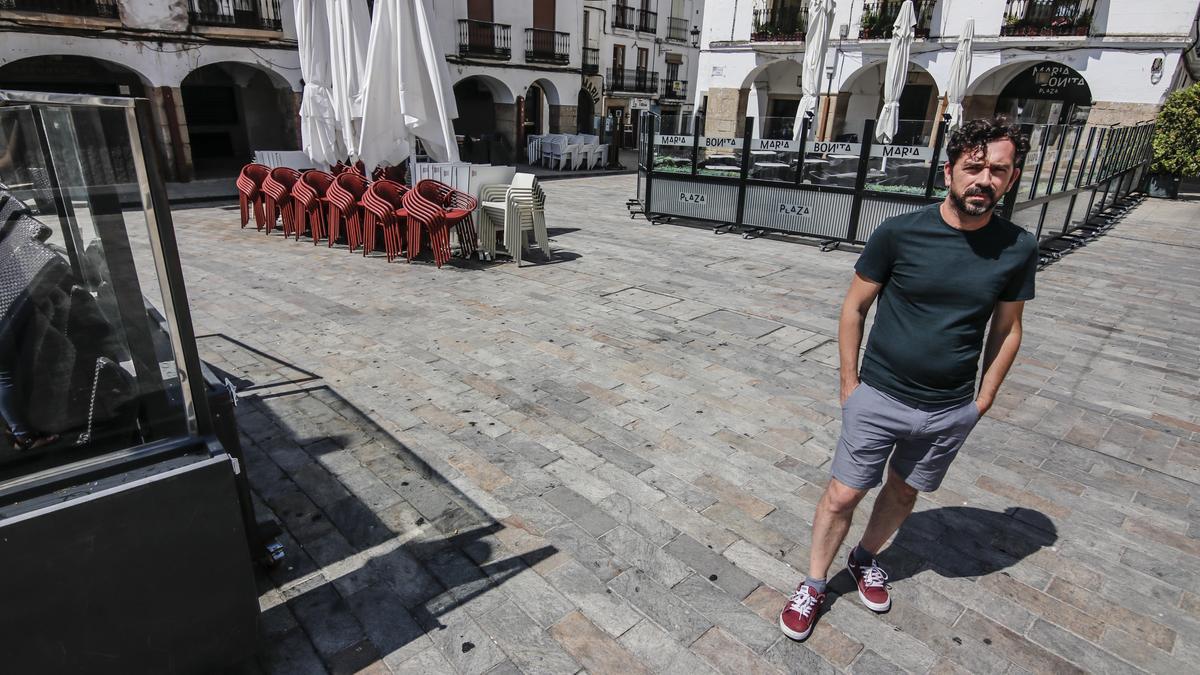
<point x="695" y="36"/>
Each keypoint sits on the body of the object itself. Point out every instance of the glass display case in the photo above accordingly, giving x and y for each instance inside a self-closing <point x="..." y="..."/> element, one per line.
<point x="123" y="517"/>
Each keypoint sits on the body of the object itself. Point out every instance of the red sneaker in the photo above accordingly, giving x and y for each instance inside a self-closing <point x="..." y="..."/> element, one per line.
<point x="872" y="589"/>
<point x="799" y="615"/>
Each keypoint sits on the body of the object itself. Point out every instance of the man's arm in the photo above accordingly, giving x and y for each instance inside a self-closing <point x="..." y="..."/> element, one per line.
<point x="858" y="302"/>
<point x="1004" y="339"/>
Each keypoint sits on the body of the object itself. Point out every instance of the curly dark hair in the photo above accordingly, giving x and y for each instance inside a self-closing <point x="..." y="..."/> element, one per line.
<point x="976" y="134"/>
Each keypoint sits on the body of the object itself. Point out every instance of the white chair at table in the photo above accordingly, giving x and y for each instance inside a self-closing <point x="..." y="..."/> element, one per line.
<point x="517" y="208"/>
<point x="533" y="149"/>
<point x="553" y="146"/>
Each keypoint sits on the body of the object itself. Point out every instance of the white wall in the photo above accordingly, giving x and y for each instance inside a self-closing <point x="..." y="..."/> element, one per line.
<point x="1145" y="17"/>
<point x="162" y="15"/>
<point x="1118" y="71"/>
<point x="157" y="68"/>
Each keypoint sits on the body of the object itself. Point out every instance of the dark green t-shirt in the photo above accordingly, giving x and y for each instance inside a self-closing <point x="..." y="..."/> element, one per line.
<point x="940" y="286"/>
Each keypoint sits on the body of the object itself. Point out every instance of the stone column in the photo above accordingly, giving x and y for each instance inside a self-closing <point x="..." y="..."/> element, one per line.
<point x="725" y="111"/>
<point x="506" y="122"/>
<point x="564" y="119"/>
<point x="979" y="106"/>
<point x="289" y="104"/>
<point x="172" y="122"/>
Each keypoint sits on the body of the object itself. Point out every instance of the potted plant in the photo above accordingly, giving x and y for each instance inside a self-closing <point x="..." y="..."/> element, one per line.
<point x="1011" y="23"/>
<point x="867" y="24"/>
<point x="1083" y="24"/>
<point x="1176" y="143"/>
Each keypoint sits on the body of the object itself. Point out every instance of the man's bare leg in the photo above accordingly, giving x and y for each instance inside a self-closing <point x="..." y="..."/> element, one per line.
<point x="893" y="505"/>
<point x="831" y="522"/>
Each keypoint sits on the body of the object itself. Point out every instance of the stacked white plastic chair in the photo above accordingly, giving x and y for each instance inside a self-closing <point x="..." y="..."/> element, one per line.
<point x="574" y="153"/>
<point x="553" y="148"/>
<point x="518" y="208"/>
<point x="599" y="156"/>
<point x="533" y="148"/>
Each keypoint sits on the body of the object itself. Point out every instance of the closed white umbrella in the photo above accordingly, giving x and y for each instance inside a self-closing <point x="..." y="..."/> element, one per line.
<point x="406" y="92"/>
<point x="960" y="74"/>
<point x="349" y="31"/>
<point x="897" y="72"/>
<point x="816" y="43"/>
<point x="318" y="116"/>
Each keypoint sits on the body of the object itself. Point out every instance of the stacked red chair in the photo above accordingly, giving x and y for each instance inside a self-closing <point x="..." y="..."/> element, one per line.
<point x="437" y="207"/>
<point x="311" y="204"/>
<point x="345" y="206"/>
<point x="277" y="188"/>
<point x="383" y="209"/>
<point x="249" y="186"/>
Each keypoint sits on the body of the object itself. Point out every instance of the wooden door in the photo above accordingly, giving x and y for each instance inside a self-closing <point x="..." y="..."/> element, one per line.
<point x="479" y="10"/>
<point x="480" y="33"/>
<point x="618" y="67"/>
<point x="543" y="14"/>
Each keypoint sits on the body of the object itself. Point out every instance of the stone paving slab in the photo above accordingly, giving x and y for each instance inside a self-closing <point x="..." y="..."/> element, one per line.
<point x="609" y="463"/>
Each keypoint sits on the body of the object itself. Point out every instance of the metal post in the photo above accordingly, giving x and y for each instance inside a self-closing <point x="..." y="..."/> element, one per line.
<point x="1071" y="162"/>
<point x="1086" y="153"/>
<point x="937" y="153"/>
<point x="1096" y="157"/>
<point x="158" y="213"/>
<point x="696" y="142"/>
<point x="747" y="133"/>
<point x="864" y="157"/>
<point x="805" y="127"/>
<point x="1062" y="136"/>
<point x="648" y="121"/>
<point x="1037" y="171"/>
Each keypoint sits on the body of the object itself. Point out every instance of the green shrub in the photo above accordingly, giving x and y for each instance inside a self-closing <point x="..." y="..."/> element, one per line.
<point x="1177" y="134"/>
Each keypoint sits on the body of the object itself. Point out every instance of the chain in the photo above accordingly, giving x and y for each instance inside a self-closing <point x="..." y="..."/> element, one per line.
<point x="87" y="434"/>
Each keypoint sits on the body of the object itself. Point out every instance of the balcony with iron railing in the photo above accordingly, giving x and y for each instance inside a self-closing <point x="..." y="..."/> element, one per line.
<point x="624" y="16"/>
<point x="677" y="29"/>
<point x="1047" y="18"/>
<point x="591" y="61"/>
<point x="547" y="46"/>
<point x="484" y="39"/>
<point x="255" y="14"/>
<point x="879" y="15"/>
<point x="780" y="24"/>
<point x="632" y="81"/>
<point x="647" y="21"/>
<point x="103" y="9"/>
<point x="674" y="90"/>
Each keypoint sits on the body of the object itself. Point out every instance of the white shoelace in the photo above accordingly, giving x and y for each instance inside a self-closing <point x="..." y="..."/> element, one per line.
<point x="873" y="576"/>
<point x="801" y="602"/>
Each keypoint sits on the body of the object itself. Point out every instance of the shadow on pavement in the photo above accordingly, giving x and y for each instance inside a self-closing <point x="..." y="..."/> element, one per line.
<point x="958" y="541"/>
<point x="381" y="548"/>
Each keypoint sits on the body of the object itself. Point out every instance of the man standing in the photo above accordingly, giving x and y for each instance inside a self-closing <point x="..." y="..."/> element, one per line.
<point x="940" y="273"/>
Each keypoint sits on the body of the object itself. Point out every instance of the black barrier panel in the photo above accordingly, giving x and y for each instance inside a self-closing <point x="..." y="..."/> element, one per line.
<point x="843" y="190"/>
<point x="818" y="213"/>
<point x="695" y="198"/>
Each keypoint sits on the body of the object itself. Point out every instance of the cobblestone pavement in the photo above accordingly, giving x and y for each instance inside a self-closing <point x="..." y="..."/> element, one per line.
<point x="609" y="463"/>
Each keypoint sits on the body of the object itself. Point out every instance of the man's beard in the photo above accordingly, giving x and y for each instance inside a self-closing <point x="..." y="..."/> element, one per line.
<point x="961" y="203"/>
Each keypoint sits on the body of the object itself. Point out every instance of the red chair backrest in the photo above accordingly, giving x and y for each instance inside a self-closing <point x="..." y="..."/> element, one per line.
<point x="286" y="175"/>
<point x="319" y="181"/>
<point x="352" y="182"/>
<point x="251" y="178"/>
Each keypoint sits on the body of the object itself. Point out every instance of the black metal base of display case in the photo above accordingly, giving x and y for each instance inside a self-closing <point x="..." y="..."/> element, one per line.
<point x="141" y="572"/>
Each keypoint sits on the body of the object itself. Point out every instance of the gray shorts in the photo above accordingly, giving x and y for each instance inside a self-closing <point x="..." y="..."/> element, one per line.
<point x="920" y="441"/>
